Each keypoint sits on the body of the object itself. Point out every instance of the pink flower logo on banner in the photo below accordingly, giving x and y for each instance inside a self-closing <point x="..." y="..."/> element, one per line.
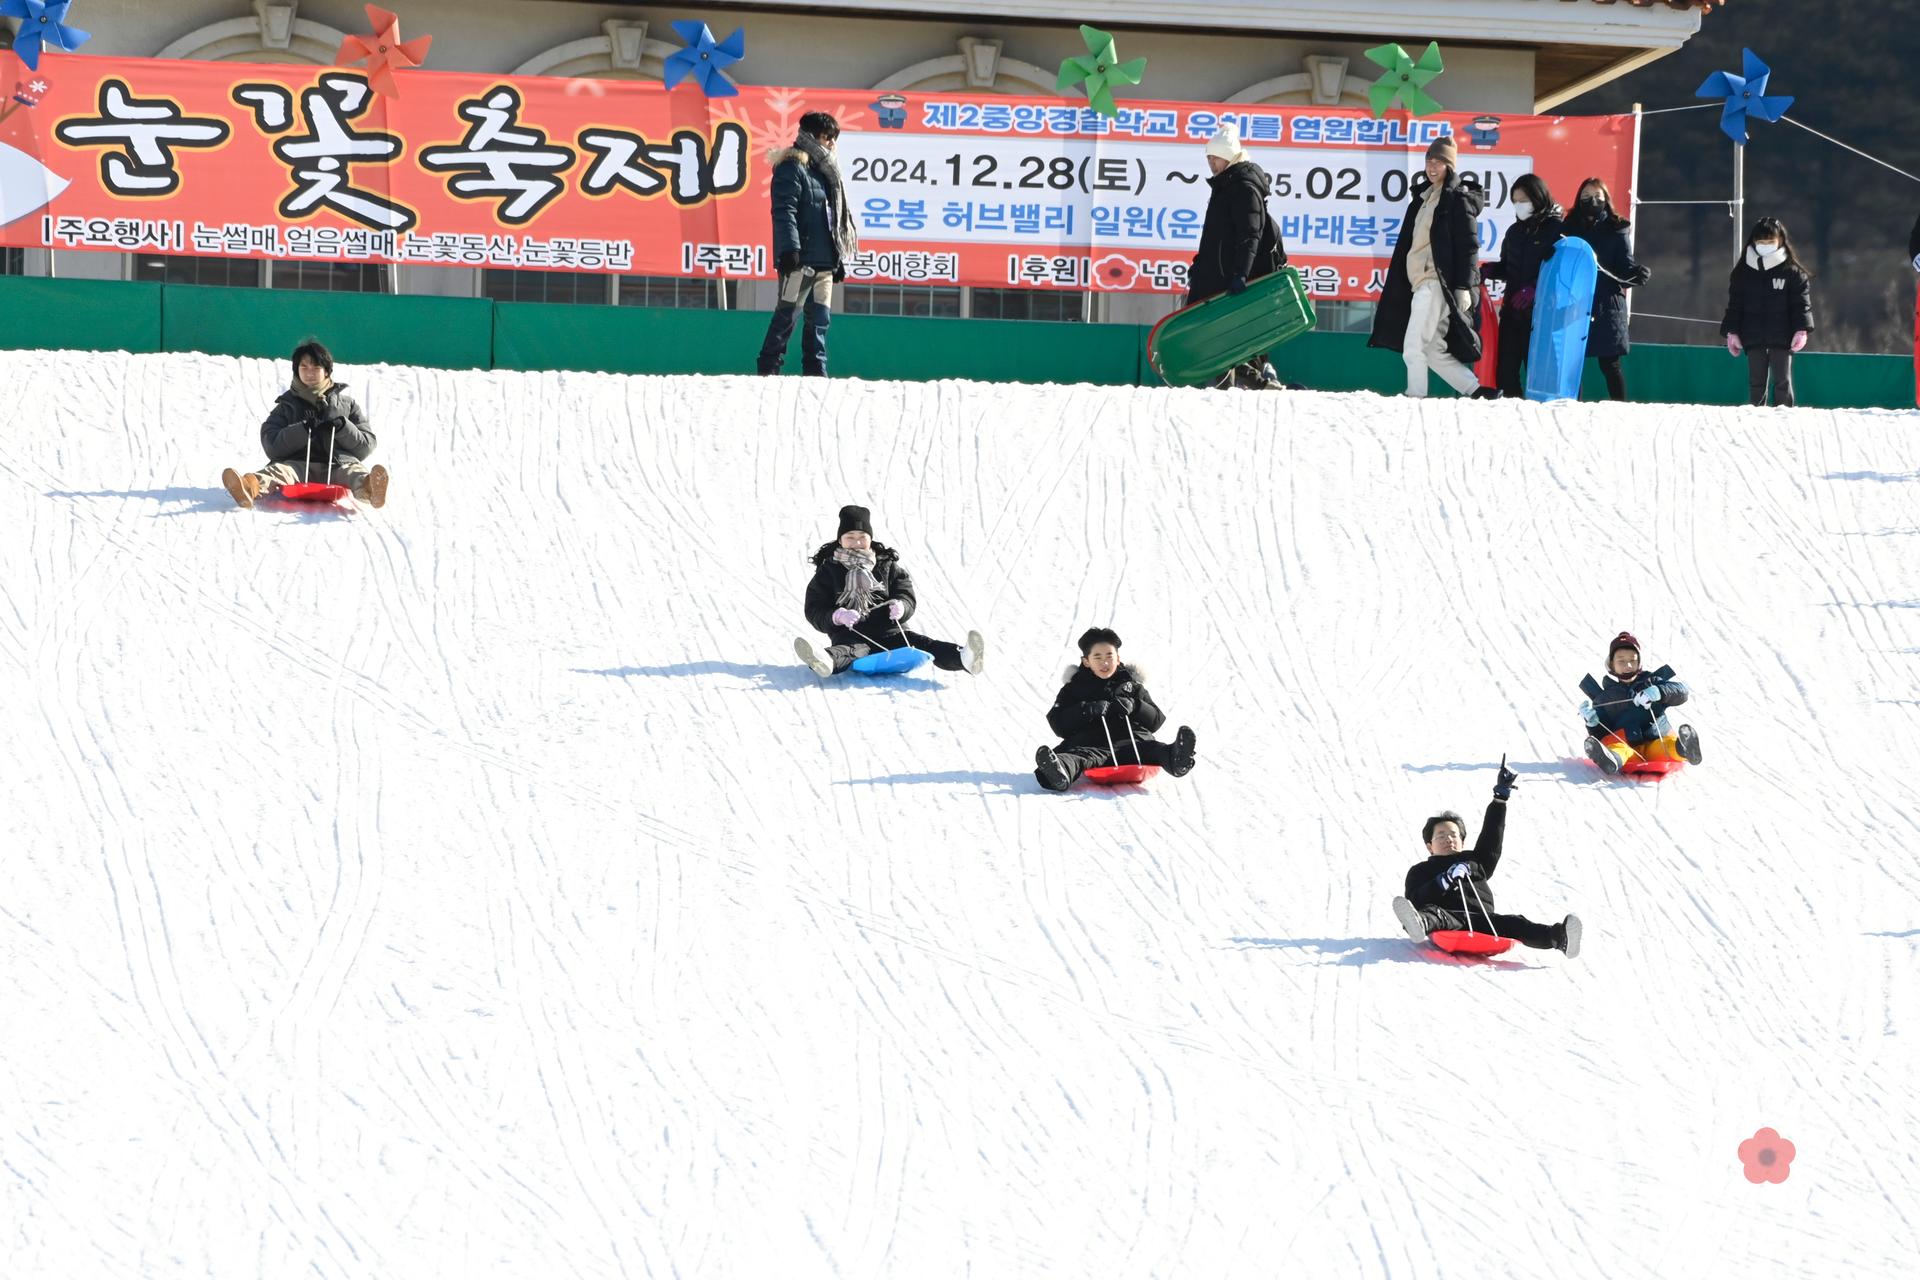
<point x="1766" y="1157"/>
<point x="1115" y="271"/>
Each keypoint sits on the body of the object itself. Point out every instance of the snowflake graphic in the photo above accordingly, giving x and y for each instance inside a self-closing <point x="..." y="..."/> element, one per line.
<point x="771" y="133"/>
<point x="38" y="86"/>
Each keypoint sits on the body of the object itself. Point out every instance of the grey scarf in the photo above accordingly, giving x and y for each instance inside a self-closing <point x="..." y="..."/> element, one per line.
<point x="862" y="592"/>
<point x="846" y="236"/>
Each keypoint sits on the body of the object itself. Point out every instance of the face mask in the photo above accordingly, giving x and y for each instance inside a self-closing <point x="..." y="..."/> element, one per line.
<point x="1770" y="253"/>
<point x="1522" y="210"/>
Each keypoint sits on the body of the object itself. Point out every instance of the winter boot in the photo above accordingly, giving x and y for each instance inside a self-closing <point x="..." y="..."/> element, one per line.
<point x="1180" y="758"/>
<point x="804" y="647"/>
<point x="1569" y="939"/>
<point x="1687" y="743"/>
<point x="243" y="488"/>
<point x="1409" y="917"/>
<point x="1601" y="755"/>
<point x="1048" y="769"/>
<point x="1485" y="393"/>
<point x="975" y="656"/>
<point x="373" y="490"/>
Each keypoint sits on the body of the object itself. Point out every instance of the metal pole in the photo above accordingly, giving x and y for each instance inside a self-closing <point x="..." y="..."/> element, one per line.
<point x="1633" y="204"/>
<point x="1739" y="199"/>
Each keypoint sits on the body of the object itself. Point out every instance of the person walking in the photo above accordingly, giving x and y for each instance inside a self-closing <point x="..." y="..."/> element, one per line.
<point x="1428" y="309"/>
<point x="813" y="238"/>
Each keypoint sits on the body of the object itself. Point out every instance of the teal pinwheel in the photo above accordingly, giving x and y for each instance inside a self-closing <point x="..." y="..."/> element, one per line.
<point x="1406" y="81"/>
<point x="1099" y="70"/>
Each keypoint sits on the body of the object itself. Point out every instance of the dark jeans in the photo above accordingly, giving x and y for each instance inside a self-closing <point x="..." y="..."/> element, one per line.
<point x="1616" y="380"/>
<point x="813" y="338"/>
<point x="1528" y="933"/>
<point x="844" y="646"/>
<point x="1077" y="760"/>
<point x="1777" y="361"/>
<point x="1516" y="332"/>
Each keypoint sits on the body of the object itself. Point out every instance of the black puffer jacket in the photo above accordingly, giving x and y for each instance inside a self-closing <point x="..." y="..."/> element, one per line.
<point x="1613" y="700"/>
<point x="1456" y="256"/>
<point x="1766" y="308"/>
<point x="1913" y="240"/>
<point x="1239" y="237"/>
<point x="1523" y="251"/>
<point x="830" y="578"/>
<point x="333" y="415"/>
<point x="1618" y="272"/>
<point x="1443" y="880"/>
<point x="1085" y="698"/>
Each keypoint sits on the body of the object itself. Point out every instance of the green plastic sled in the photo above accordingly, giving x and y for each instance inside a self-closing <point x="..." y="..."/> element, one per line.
<point x="1195" y="345"/>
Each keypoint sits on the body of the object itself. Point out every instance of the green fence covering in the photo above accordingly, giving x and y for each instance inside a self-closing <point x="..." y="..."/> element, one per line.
<point x="359" y="328"/>
<point x="40" y="314"/>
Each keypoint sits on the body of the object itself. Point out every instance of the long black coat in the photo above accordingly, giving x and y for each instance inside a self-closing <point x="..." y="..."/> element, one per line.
<point x="1766" y="308"/>
<point x="1440" y="881"/>
<point x="1456" y="256"/>
<point x="1618" y="272"/>
<point x="1523" y="251"/>
<point x="1238" y="237"/>
<point x="1913" y="240"/>
<point x="1077" y="710"/>
<point x="1620" y="714"/>
<point x="298" y="415"/>
<point x="830" y="578"/>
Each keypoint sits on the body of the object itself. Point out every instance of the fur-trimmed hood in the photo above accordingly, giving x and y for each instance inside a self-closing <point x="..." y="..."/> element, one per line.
<point x="777" y="156"/>
<point x="1124" y="672"/>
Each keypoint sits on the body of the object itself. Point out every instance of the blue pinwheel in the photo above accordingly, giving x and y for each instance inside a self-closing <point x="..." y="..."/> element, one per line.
<point x="1746" y="96"/>
<point x="42" y="22"/>
<point x="704" y="57"/>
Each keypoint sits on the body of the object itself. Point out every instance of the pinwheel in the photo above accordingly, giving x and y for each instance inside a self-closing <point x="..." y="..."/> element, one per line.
<point x="1099" y="71"/>
<point x="42" y="23"/>
<point x="1746" y="95"/>
<point x="1406" y="81"/>
<point x="384" y="51"/>
<point x="704" y="57"/>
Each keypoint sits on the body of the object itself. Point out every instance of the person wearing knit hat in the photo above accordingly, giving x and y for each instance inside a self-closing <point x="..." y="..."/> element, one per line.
<point x="1428" y="307"/>
<point x="1626" y="713"/>
<point x="1239" y="240"/>
<point x="1448" y="888"/>
<point x="861" y="596"/>
<point x="1105" y="716"/>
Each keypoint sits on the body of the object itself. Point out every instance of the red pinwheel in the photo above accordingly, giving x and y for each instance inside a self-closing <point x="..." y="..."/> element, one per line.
<point x="384" y="51"/>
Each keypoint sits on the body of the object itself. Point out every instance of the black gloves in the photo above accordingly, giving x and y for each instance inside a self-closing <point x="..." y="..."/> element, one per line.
<point x="1098" y="710"/>
<point x="1237" y="285"/>
<point x="1507" y="780"/>
<point x="839" y="274"/>
<point x="788" y="262"/>
<point x="1640" y="276"/>
<point x="1124" y="705"/>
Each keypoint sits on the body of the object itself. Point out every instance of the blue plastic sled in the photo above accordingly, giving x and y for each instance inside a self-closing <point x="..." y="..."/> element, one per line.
<point x="892" y="662"/>
<point x="1562" y="314"/>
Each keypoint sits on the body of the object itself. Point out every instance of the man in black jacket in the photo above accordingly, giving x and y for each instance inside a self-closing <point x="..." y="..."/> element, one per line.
<point x="1429" y="306"/>
<point x="316" y="432"/>
<point x="1448" y="889"/>
<point x="1105" y="716"/>
<point x="1239" y="242"/>
<point x="813" y="236"/>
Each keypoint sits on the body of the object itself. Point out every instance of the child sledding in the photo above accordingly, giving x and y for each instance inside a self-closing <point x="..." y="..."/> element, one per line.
<point x="861" y="596"/>
<point x="1106" y="718"/>
<point x="1449" y="902"/>
<point x="1626" y="716"/>
<point x="316" y="436"/>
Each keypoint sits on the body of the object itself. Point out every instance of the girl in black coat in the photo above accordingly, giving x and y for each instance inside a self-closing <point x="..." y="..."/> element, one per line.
<point x="1594" y="221"/>
<point x="1429" y="307"/>
<point x="1769" y="310"/>
<point x="1104" y="715"/>
<point x="861" y="595"/>
<point x="1538" y="225"/>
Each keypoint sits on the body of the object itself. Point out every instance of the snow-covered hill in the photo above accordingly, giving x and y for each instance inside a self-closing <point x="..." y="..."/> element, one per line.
<point x="478" y="888"/>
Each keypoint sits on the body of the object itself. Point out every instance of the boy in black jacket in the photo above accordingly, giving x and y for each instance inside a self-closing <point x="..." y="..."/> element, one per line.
<point x="1449" y="889"/>
<point x="861" y="595"/>
<point x="1104" y="715"/>
<point x="1626" y="714"/>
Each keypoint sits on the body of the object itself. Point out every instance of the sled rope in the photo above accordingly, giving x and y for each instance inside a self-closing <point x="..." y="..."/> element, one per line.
<point x="1487" y="915"/>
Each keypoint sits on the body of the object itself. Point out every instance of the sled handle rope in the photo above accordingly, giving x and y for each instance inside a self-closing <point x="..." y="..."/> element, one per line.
<point x="1485" y="914"/>
<point x="1111" y="753"/>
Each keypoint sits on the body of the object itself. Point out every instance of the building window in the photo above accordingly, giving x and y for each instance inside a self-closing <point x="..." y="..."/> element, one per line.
<point x="1028" y="304"/>
<point x="901" y="300"/>
<point x="1343" y="317"/>
<point x="546" y="286"/>
<point x="331" y="277"/>
<point x="13" y="262"/>
<point x="671" y="291"/>
<point x="231" y="273"/>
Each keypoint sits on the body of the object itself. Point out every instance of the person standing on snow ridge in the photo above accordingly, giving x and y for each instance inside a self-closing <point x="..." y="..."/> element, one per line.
<point x="1448" y="889"/>
<point x="316" y="432"/>
<point x="1538" y="225"/>
<point x="813" y="238"/>
<point x="1101" y="704"/>
<point x="1239" y="242"/>
<point x="1619" y="713"/>
<point x="860" y="596"/>
<point x="1769" y="311"/>
<point x="1428" y="309"/>
<point x="1594" y="221"/>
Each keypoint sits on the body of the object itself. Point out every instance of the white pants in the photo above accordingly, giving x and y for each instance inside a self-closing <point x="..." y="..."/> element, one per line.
<point x="1426" y="344"/>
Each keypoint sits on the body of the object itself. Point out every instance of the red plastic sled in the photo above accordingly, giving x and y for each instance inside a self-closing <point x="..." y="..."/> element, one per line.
<point x="313" y="492"/>
<point x="1120" y="775"/>
<point x="1654" y="769"/>
<point x="1461" y="942"/>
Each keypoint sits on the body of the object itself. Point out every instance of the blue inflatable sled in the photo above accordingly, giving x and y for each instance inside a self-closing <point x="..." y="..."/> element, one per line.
<point x="892" y="662"/>
<point x="1562" y="314"/>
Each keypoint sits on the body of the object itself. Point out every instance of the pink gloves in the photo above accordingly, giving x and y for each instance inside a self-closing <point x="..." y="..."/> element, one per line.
<point x="845" y="617"/>
<point x="897" y="609"/>
<point x="1733" y="344"/>
<point x="1799" y="339"/>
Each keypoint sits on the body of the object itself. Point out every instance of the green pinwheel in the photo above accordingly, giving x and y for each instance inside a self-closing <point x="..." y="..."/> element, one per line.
<point x="1406" y="81"/>
<point x="1099" y="70"/>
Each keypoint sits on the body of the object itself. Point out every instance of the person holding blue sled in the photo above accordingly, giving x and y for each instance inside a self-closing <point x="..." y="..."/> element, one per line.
<point x="1104" y="701"/>
<point x="861" y="596"/>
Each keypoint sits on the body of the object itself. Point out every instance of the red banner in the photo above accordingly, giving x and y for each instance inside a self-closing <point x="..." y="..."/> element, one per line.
<point x="275" y="161"/>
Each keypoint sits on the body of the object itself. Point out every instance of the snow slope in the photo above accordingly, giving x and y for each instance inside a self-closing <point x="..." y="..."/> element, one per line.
<point x="478" y="888"/>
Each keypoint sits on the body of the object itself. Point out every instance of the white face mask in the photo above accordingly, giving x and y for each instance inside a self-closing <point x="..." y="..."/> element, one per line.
<point x="1522" y="210"/>
<point x="1768" y="255"/>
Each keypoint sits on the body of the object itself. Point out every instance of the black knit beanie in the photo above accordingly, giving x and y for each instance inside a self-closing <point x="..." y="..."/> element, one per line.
<point x="855" y="520"/>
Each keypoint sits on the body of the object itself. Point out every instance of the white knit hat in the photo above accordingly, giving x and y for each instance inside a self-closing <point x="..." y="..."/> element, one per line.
<point x="1225" y="142"/>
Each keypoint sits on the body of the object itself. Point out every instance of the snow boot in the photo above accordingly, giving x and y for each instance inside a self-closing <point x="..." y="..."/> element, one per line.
<point x="1598" y="752"/>
<point x="1409" y="917"/>
<point x="976" y="654"/>
<point x="373" y="491"/>
<point x="1569" y="939"/>
<point x="1048" y="769"/>
<point x="1687" y="743"/>
<point x="242" y="488"/>
<point x="804" y="648"/>
<point x="1180" y="758"/>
